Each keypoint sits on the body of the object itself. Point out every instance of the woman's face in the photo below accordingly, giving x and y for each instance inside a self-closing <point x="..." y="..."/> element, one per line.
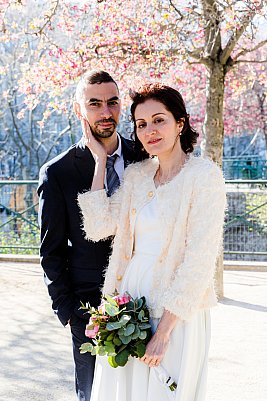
<point x="156" y="128"/>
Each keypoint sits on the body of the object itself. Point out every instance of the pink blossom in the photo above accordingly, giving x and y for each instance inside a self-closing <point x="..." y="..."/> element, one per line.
<point x="93" y="332"/>
<point x="122" y="299"/>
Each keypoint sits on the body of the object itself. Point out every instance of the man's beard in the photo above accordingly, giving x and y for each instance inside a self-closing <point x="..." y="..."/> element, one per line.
<point x="103" y="133"/>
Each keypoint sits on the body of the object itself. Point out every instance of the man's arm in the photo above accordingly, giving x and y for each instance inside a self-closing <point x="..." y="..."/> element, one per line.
<point x="54" y="244"/>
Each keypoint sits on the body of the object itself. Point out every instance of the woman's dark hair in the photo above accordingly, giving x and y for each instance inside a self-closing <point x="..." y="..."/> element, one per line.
<point x="174" y="103"/>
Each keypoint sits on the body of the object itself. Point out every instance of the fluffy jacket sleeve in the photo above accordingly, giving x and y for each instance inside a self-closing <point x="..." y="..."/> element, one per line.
<point x="203" y="240"/>
<point x="101" y="213"/>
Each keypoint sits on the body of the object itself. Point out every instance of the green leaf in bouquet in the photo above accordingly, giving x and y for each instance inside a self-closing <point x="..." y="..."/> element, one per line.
<point x="112" y="362"/>
<point x="111" y="300"/>
<point x="144" y="326"/>
<point x="126" y="339"/>
<point x="109" y="348"/>
<point x="113" y="326"/>
<point x="136" y="333"/>
<point x="140" y="349"/>
<point x="86" y="347"/>
<point x="141" y="315"/>
<point x="110" y="336"/>
<point x="112" y="310"/>
<point x="130" y="306"/>
<point x="143" y="335"/>
<point x="102" y="351"/>
<point x="139" y="303"/>
<point x="129" y="329"/>
<point x="124" y="320"/>
<point x="117" y="341"/>
<point x="121" y="331"/>
<point x="122" y="358"/>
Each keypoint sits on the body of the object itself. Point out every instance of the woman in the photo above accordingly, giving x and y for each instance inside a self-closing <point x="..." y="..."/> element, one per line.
<point x="167" y="219"/>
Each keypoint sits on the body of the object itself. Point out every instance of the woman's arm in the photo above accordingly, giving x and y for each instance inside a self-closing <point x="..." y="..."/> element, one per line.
<point x="203" y="240"/>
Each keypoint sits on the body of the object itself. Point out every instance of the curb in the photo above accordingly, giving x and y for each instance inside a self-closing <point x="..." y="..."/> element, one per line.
<point x="245" y="265"/>
<point x="228" y="264"/>
<point x="19" y="258"/>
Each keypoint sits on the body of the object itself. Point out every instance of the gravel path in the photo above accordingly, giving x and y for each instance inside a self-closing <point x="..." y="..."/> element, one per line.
<point x="36" y="355"/>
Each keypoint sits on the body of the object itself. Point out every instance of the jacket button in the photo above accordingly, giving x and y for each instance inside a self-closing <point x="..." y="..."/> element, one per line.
<point x="127" y="257"/>
<point x="150" y="194"/>
<point x="119" y="277"/>
<point x="133" y="211"/>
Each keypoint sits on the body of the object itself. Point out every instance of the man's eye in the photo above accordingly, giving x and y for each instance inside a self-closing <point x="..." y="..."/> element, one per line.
<point x="94" y="104"/>
<point x="113" y="103"/>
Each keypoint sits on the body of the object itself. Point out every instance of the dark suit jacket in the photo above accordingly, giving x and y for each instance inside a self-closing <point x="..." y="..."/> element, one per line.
<point x="73" y="266"/>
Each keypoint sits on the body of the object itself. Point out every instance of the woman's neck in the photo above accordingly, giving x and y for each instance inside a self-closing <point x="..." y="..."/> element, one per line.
<point x="169" y="166"/>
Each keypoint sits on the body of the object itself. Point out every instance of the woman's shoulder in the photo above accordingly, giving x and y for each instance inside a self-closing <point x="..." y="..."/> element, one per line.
<point x="205" y="171"/>
<point x="205" y="167"/>
<point x="141" y="169"/>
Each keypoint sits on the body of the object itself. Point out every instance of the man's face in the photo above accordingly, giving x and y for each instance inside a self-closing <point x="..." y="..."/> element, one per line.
<point x="100" y="106"/>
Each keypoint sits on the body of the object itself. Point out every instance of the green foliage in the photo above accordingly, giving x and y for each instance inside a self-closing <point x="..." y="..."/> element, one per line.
<point x="118" y="328"/>
<point x="20" y="234"/>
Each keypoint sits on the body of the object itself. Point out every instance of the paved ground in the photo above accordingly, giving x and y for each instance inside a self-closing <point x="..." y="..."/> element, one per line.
<point x="36" y="359"/>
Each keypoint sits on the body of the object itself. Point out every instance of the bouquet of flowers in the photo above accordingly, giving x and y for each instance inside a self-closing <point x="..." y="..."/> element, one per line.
<point x="120" y="328"/>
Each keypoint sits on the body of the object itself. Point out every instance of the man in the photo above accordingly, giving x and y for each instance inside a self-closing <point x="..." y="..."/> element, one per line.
<point x="73" y="267"/>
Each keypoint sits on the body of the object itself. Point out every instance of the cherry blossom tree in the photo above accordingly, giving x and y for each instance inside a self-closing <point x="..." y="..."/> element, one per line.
<point x="198" y="45"/>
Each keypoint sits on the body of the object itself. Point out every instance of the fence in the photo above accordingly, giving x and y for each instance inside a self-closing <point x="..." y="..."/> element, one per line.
<point x="241" y="169"/>
<point x="245" y="232"/>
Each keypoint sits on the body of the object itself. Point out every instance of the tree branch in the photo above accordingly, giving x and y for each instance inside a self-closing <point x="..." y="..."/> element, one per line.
<point x="245" y="51"/>
<point x="176" y="9"/>
<point x="250" y="61"/>
<point x="235" y="37"/>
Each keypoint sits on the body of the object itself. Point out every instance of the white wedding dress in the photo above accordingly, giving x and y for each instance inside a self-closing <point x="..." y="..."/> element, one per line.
<point x="187" y="354"/>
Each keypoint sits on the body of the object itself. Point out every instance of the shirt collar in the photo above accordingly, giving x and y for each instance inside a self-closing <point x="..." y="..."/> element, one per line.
<point x="118" y="150"/>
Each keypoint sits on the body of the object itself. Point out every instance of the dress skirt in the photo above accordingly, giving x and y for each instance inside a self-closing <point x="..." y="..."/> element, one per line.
<point x="186" y="358"/>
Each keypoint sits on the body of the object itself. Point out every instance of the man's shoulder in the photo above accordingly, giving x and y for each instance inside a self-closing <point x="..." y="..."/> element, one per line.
<point x="60" y="160"/>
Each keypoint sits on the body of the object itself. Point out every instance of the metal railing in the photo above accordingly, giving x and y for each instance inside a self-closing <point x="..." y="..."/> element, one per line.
<point x="244" y="169"/>
<point x="245" y="231"/>
<point x="19" y="231"/>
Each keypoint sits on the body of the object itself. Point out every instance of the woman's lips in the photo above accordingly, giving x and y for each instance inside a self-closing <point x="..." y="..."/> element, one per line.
<point x="154" y="141"/>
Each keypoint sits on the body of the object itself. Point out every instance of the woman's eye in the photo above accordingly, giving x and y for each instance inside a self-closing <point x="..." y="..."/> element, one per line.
<point x="141" y="125"/>
<point x="159" y="120"/>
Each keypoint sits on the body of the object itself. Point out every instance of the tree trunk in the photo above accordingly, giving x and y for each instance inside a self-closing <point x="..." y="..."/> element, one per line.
<point x="213" y="130"/>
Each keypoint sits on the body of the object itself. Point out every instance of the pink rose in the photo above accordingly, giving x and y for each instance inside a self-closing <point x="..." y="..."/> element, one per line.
<point x="122" y="299"/>
<point x="92" y="332"/>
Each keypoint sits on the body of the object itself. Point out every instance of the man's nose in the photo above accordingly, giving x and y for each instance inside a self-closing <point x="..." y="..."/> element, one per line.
<point x="105" y="111"/>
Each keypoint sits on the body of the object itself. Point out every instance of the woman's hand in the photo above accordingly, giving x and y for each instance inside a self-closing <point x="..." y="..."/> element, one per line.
<point x="157" y="346"/>
<point x="96" y="148"/>
<point x="155" y="350"/>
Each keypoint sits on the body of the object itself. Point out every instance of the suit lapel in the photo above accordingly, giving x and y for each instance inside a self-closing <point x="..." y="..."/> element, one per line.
<point x="127" y="151"/>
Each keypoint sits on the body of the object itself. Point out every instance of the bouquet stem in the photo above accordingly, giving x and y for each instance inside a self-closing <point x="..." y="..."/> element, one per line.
<point x="166" y="380"/>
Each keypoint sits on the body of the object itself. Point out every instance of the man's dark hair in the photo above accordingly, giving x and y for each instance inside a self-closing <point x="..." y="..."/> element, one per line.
<point x="91" y="78"/>
<point x="173" y="101"/>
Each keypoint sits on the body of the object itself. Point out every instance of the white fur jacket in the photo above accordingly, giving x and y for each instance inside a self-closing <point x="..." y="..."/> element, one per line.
<point x="191" y="209"/>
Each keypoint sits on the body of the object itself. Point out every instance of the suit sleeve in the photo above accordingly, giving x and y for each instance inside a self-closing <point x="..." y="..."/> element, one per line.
<point x="54" y="244"/>
<point x="203" y="241"/>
